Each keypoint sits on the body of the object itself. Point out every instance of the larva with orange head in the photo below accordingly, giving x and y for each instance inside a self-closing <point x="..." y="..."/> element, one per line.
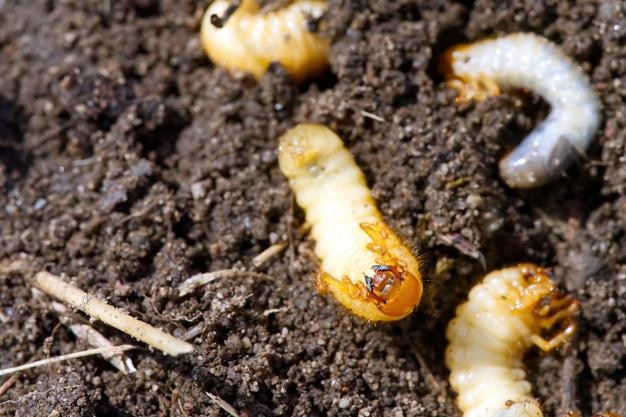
<point x="250" y="41"/>
<point x="525" y="60"/>
<point x="364" y="264"/>
<point x="505" y="315"/>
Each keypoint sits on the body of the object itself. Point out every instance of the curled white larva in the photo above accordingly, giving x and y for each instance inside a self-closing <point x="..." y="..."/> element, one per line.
<point x="364" y="264"/>
<point x="250" y="40"/>
<point x="505" y="314"/>
<point x="525" y="60"/>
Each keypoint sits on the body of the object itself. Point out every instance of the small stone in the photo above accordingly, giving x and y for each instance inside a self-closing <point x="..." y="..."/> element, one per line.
<point x="344" y="402"/>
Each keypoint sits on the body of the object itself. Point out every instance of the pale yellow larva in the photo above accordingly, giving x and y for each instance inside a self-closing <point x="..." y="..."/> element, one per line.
<point x="505" y="314"/>
<point x="250" y="41"/>
<point x="364" y="264"/>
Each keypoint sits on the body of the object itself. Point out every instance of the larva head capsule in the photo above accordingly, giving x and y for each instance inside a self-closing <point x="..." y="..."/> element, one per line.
<point x="392" y="289"/>
<point x="390" y="284"/>
<point x="387" y="296"/>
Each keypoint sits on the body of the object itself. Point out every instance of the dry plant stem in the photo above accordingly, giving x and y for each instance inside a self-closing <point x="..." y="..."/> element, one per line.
<point x="223" y="405"/>
<point x="94" y="338"/>
<point x="193" y="283"/>
<point x="110" y="315"/>
<point x="268" y="254"/>
<point x="115" y="350"/>
<point x="8" y="384"/>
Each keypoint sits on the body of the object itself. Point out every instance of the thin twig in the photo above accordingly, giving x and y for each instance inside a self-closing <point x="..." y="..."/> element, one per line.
<point x="93" y="338"/>
<point x="268" y="254"/>
<point x="223" y="405"/>
<point x="271" y="311"/>
<point x="372" y="116"/>
<point x="425" y="369"/>
<point x="193" y="283"/>
<point x="51" y="133"/>
<point x="8" y="384"/>
<point x="110" y="315"/>
<point x="115" y="350"/>
<point x="8" y="267"/>
<point x="193" y="332"/>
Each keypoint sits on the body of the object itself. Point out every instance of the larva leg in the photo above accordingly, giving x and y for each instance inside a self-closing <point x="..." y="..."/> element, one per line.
<point x="364" y="264"/>
<point x="249" y="41"/>
<point x="478" y="89"/>
<point x="555" y="341"/>
<point x="527" y="61"/>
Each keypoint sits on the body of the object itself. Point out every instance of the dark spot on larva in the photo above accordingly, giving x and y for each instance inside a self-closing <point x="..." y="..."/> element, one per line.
<point x="381" y="268"/>
<point x="313" y="22"/>
<point x="382" y="284"/>
<point x="218" y="21"/>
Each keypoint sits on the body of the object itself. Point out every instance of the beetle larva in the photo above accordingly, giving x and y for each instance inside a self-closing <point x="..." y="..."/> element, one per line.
<point x="250" y="41"/>
<point x="364" y="264"/>
<point x="525" y="60"/>
<point x="505" y="315"/>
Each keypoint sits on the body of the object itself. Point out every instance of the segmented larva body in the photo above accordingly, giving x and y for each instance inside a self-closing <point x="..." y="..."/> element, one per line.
<point x="364" y="264"/>
<point x="525" y="60"/>
<point x="505" y="314"/>
<point x="250" y="41"/>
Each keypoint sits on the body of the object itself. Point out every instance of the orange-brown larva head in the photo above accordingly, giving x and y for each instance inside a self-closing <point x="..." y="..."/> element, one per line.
<point x="394" y="298"/>
<point x="394" y="290"/>
<point x="445" y="61"/>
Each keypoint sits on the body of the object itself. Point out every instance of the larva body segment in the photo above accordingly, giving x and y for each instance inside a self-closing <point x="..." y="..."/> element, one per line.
<point x="505" y="314"/>
<point x="525" y="60"/>
<point x="250" y="40"/>
<point x="364" y="264"/>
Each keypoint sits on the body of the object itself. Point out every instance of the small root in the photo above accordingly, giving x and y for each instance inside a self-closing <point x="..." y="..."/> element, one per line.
<point x="195" y="282"/>
<point x="93" y="338"/>
<point x="223" y="405"/>
<point x="114" y="350"/>
<point x="268" y="254"/>
<point x="8" y="384"/>
<point x="110" y="315"/>
<point x="271" y="311"/>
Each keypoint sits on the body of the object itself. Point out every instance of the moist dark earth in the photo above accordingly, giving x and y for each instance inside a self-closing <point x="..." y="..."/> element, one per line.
<point x="128" y="163"/>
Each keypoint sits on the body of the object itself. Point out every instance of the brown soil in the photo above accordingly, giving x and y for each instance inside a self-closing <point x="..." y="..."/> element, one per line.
<point x="110" y="114"/>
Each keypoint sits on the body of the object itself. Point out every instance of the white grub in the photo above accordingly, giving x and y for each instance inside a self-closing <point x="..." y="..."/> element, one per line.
<point x="364" y="264"/>
<point x="249" y="40"/>
<point x="75" y="297"/>
<point x="528" y="61"/>
<point x="505" y="315"/>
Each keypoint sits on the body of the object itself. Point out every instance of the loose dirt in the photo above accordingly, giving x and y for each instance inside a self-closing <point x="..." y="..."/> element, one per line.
<point x="128" y="162"/>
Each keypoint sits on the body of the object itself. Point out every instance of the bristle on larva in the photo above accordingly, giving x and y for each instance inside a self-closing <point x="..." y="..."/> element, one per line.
<point x="505" y="314"/>
<point x="525" y="60"/>
<point x="250" y="41"/>
<point x="364" y="264"/>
